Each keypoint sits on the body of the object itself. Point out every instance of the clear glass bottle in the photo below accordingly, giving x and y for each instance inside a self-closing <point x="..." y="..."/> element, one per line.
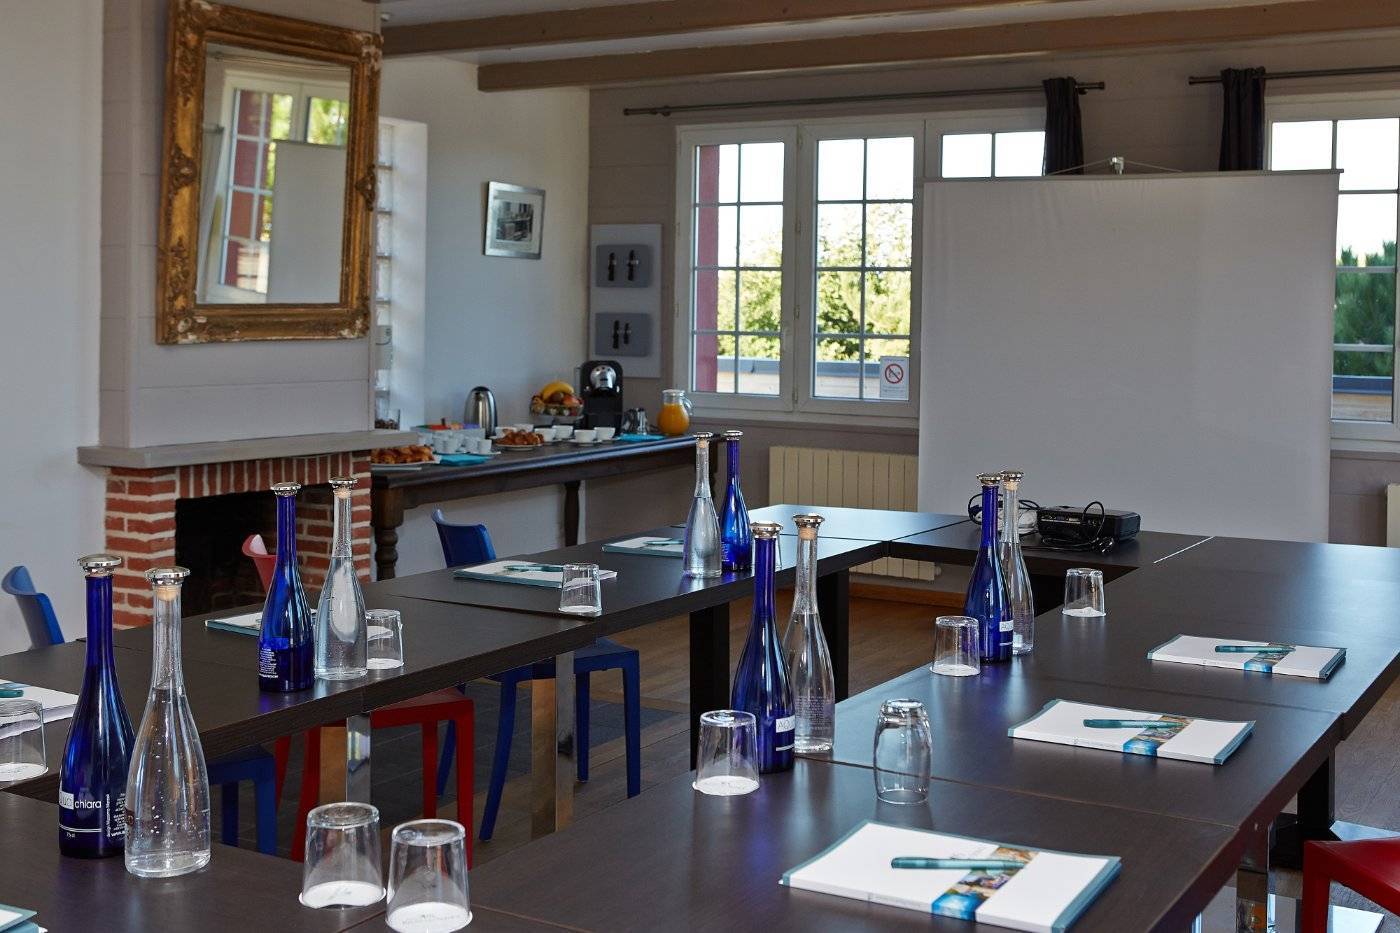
<point x="92" y="776"/>
<point x="1013" y="565"/>
<point x="342" y="640"/>
<point x="761" y="685"/>
<point x="805" y="650"/>
<point x="167" y="788"/>
<point x="702" y="545"/>
<point x="986" y="590"/>
<point x="285" y="641"/>
<point x="736" y="541"/>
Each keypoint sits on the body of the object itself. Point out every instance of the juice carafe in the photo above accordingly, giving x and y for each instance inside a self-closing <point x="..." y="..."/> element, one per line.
<point x="674" y="418"/>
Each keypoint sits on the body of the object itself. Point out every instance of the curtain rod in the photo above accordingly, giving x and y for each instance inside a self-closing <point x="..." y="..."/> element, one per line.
<point x="665" y="110"/>
<point x="1317" y="73"/>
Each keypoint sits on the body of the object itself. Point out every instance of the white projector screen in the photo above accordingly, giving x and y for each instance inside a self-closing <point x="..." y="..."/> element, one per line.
<point x="1159" y="343"/>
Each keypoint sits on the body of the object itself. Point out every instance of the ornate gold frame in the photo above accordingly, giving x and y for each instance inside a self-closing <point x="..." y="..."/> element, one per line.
<point x="179" y="319"/>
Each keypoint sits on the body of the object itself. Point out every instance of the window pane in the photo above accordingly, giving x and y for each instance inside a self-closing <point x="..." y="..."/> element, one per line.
<point x="325" y="122"/>
<point x="760" y="301"/>
<point x="1366" y="229"/>
<point x="245" y="163"/>
<point x="269" y="165"/>
<point x="716" y="174"/>
<point x="759" y="361"/>
<point x="761" y="172"/>
<point x="265" y="218"/>
<point x="838" y="235"/>
<point x="887" y="302"/>
<point x="714" y="236"/>
<point x="1302" y="145"/>
<point x="384" y="145"/>
<point x="281" y="122"/>
<point x="383" y="235"/>
<point x="837" y="371"/>
<point x="714" y="299"/>
<point x="250" y="113"/>
<point x="240" y="217"/>
<point x="1363" y="361"/>
<point x="760" y="235"/>
<point x="1020" y="154"/>
<point x="838" y="302"/>
<point x="890" y="168"/>
<point x="714" y="363"/>
<point x="840" y="163"/>
<point x="874" y="349"/>
<point x="967" y="155"/>
<point x="1368" y="153"/>
<point x="888" y="230"/>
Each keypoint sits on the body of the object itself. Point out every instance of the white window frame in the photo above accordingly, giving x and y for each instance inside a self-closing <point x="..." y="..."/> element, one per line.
<point x="1356" y="105"/>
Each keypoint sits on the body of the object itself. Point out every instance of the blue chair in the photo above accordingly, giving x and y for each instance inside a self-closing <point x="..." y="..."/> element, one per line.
<point x="471" y="544"/>
<point x="252" y="764"/>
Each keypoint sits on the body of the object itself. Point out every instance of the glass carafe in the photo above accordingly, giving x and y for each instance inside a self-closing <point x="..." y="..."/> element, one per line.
<point x="736" y="541"/>
<point x="286" y="644"/>
<point x="674" y="418"/>
<point x="702" y="546"/>
<point x="761" y="685"/>
<point x="167" y="788"/>
<point x="805" y="650"/>
<point x="986" y="591"/>
<point x="1013" y="566"/>
<point x="341" y="636"/>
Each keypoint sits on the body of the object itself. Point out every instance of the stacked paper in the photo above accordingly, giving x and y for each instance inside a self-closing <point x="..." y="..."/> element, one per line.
<point x="521" y="571"/>
<point x="1062" y="722"/>
<point x="648" y="544"/>
<point x="1297" y="661"/>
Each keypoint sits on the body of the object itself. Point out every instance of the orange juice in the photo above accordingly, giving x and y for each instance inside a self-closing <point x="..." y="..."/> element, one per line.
<point x="674" y="418"/>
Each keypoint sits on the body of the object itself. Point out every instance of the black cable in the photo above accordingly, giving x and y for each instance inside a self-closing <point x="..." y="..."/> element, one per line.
<point x="1084" y="540"/>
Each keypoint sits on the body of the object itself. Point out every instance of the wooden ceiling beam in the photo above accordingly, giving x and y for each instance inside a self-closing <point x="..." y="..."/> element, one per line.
<point x="1052" y="37"/>
<point x="651" y="18"/>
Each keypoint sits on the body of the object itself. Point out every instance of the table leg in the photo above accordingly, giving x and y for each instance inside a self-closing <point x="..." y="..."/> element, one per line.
<point x="553" y="748"/>
<point x="356" y="758"/>
<point x="834" y="605"/>
<point x="709" y="666"/>
<point x="571" y="528"/>
<point x="1254" y="893"/>
<point x="386" y="516"/>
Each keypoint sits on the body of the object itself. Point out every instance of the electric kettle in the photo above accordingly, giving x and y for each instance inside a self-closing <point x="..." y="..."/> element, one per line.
<point x="481" y="409"/>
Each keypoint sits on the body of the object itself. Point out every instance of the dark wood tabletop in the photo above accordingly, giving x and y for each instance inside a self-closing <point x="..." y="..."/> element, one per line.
<point x="1304" y="559"/>
<point x="676" y="859"/>
<point x="859" y="524"/>
<point x="958" y="544"/>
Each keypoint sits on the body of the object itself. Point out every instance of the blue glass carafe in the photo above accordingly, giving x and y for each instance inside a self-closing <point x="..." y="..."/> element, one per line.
<point x="286" y="646"/>
<point x="987" y="599"/>
<point x="761" y="685"/>
<point x="736" y="540"/>
<point x="92" y="777"/>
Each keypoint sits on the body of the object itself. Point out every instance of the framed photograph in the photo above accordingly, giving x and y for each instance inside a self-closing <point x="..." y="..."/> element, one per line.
<point x="514" y="220"/>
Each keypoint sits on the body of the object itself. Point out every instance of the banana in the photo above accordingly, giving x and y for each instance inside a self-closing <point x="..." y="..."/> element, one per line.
<point x="558" y="385"/>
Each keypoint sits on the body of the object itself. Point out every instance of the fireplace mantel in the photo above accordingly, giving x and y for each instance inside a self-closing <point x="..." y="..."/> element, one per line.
<point x="257" y="448"/>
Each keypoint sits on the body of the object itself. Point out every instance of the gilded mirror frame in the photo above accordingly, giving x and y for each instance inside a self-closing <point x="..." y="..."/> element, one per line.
<point x="180" y="319"/>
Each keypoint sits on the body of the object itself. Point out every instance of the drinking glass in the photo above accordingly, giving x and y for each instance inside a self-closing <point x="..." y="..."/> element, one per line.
<point x="726" y="764"/>
<point x="581" y="593"/>
<point x="1084" y="593"/>
<point x="384" y="629"/>
<point x="342" y="857"/>
<point x="956" y="651"/>
<point x="22" y="751"/>
<point x="428" y="878"/>
<point x="903" y="752"/>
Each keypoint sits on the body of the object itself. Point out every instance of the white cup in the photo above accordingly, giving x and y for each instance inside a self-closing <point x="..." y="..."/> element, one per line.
<point x="458" y="441"/>
<point x="546" y="433"/>
<point x="442" y="444"/>
<point x="585" y="436"/>
<point x="425" y="438"/>
<point x="562" y="432"/>
<point x="605" y="434"/>
<point x="483" y="446"/>
<point x="474" y="433"/>
<point x="500" y="431"/>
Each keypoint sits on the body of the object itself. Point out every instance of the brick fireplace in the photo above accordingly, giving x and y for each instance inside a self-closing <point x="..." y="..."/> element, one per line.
<point x="141" y="524"/>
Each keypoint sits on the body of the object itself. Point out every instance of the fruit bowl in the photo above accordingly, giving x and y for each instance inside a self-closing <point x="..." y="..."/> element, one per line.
<point x="557" y="400"/>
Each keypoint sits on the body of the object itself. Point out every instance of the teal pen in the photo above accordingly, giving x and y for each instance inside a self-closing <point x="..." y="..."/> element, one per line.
<point x="526" y="568"/>
<point x="1130" y="724"/>
<point x="1253" y="649"/>
<point x="970" y="864"/>
<point x="9" y="693"/>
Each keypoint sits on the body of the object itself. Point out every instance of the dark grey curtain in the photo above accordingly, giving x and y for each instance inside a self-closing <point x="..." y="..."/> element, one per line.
<point x="1242" y="132"/>
<point x="1064" y="133"/>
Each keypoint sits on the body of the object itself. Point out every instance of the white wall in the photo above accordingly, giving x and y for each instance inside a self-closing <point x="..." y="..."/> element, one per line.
<point x="50" y="152"/>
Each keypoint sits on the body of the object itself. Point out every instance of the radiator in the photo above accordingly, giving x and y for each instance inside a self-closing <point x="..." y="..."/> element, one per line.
<point x="852" y="478"/>
<point x="1392" y="515"/>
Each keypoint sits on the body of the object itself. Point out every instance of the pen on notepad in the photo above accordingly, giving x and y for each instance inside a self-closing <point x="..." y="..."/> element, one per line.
<point x="971" y="864"/>
<point x="1253" y="649"/>
<point x="9" y="693"/>
<point x="1130" y="724"/>
<point x="528" y="568"/>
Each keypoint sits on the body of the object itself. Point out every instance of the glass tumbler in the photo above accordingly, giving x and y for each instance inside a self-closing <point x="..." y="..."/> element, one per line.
<point x="428" y="877"/>
<point x="903" y="752"/>
<point x="342" y="857"/>
<point x="384" y="631"/>
<point x="1083" y="593"/>
<point x="581" y="593"/>
<point x="22" y="751"/>
<point x="956" y="652"/>
<point x="726" y="763"/>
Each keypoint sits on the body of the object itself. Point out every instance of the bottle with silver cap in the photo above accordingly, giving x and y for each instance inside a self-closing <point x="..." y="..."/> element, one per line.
<point x="702" y="545"/>
<point x="167" y="788"/>
<point x="285" y="641"/>
<point x="92" y="776"/>
<point x="341" y="636"/>
<point x="806" y="652"/>
<point x="761" y="685"/>
<point x="1013" y="565"/>
<point x="986" y="590"/>
<point x="736" y="541"/>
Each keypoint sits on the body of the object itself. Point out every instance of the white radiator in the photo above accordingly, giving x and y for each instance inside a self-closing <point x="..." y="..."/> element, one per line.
<point x="1392" y="515"/>
<point x="853" y="478"/>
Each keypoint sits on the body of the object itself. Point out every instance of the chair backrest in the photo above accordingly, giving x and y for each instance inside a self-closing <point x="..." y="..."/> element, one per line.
<point x="39" y="618"/>
<point x="463" y="544"/>
<point x="255" y="548"/>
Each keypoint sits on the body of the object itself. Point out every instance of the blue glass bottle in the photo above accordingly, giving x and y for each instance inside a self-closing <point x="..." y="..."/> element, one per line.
<point x="92" y="777"/>
<point x="987" y="599"/>
<point x="736" y="540"/>
<point x="286" y="647"/>
<point x="761" y="685"/>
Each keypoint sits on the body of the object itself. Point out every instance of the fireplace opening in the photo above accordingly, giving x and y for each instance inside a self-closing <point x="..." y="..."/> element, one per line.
<point x="209" y="536"/>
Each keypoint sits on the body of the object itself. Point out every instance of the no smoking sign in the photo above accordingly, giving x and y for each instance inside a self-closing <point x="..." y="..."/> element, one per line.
<point x="894" y="382"/>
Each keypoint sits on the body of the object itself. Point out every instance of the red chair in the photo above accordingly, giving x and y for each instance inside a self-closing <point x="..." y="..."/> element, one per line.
<point x="1370" y="867"/>
<point x="425" y="711"/>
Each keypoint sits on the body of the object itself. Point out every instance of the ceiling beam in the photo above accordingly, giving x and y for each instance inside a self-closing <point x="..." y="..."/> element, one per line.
<point x="1088" y="34"/>
<point x="651" y="18"/>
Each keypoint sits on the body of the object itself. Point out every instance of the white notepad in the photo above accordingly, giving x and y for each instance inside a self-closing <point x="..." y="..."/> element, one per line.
<point x="1047" y="895"/>
<point x="248" y="624"/>
<point x="57" y="705"/>
<point x="1209" y="741"/>
<point x="1302" y="661"/>
<point x="648" y="544"/>
<point x="521" y="571"/>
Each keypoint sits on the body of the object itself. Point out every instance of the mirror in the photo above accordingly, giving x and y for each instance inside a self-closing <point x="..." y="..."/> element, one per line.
<point x="268" y="186"/>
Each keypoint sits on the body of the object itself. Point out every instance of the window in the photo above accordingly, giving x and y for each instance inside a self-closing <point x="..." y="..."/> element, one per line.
<point x="799" y="246"/>
<point x="1362" y="139"/>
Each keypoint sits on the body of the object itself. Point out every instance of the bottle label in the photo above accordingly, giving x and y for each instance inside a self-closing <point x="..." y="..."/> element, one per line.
<point x="65" y="800"/>
<point x="1008" y="624"/>
<point x="267" y="662"/>
<point x="785" y="724"/>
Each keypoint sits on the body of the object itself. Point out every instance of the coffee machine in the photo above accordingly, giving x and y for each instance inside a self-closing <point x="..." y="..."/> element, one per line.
<point x="601" y="390"/>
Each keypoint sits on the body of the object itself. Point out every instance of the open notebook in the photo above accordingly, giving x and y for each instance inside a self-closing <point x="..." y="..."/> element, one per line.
<point x="1063" y="722"/>
<point x="648" y="544"/>
<point x="1047" y="894"/>
<point x="521" y="571"/>
<point x="1297" y="661"/>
